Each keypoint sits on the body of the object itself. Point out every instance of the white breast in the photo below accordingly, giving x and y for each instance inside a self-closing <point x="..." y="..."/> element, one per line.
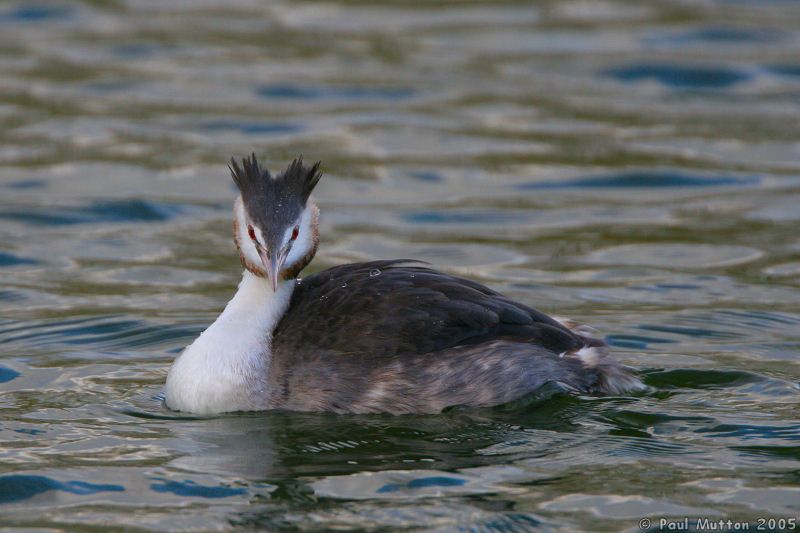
<point x="226" y="368"/>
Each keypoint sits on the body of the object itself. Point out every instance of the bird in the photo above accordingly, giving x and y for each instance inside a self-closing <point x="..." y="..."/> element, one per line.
<point x="389" y="336"/>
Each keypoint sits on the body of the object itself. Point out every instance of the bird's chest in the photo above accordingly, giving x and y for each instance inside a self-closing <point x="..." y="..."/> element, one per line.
<point x="224" y="370"/>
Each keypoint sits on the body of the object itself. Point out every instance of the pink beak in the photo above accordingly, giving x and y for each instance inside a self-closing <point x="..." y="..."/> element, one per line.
<point x="272" y="265"/>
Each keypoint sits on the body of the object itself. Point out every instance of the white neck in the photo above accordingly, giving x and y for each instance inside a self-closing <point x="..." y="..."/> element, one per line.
<point x="226" y="368"/>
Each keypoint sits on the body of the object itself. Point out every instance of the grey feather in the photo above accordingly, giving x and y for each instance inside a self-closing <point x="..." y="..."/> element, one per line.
<point x="411" y="339"/>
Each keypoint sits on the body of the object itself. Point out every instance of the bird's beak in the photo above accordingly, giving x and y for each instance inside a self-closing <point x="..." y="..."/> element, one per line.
<point x="273" y="266"/>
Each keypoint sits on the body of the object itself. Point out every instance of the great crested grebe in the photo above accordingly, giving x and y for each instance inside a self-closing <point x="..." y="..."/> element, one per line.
<point x="376" y="337"/>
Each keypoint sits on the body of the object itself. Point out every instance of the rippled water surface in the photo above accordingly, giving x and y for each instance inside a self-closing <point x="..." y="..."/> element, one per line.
<point x="632" y="165"/>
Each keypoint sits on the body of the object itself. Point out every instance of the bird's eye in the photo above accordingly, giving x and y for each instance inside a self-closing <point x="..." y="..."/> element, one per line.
<point x="251" y="232"/>
<point x="295" y="232"/>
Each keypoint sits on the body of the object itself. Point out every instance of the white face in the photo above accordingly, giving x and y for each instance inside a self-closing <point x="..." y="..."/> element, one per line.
<point x="296" y="243"/>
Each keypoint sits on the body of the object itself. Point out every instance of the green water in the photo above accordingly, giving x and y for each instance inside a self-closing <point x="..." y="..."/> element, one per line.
<point x="631" y="165"/>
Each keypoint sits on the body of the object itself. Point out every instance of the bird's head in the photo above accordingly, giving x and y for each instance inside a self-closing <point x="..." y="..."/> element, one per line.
<point x="275" y="223"/>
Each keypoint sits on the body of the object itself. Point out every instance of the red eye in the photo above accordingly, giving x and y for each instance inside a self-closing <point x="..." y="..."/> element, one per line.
<point x="251" y="232"/>
<point x="295" y="232"/>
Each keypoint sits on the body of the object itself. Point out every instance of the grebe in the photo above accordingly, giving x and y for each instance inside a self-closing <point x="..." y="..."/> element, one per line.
<point x="377" y="337"/>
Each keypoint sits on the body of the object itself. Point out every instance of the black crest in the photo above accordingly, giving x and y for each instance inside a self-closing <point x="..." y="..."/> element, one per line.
<point x="297" y="179"/>
<point x="274" y="202"/>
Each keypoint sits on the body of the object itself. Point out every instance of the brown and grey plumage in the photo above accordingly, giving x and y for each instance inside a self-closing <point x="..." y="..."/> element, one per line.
<point x="382" y="336"/>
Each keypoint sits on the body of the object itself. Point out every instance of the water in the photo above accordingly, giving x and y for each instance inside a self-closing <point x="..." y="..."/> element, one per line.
<point x="631" y="165"/>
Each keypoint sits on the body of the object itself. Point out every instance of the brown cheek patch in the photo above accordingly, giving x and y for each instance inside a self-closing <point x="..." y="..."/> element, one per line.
<point x="293" y="270"/>
<point x="245" y="263"/>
